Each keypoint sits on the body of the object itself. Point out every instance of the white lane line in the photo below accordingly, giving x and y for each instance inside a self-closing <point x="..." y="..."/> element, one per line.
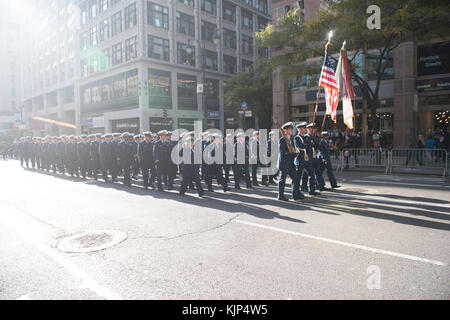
<point x="24" y="297"/>
<point x="88" y="281"/>
<point x="402" y="183"/>
<point x="347" y="244"/>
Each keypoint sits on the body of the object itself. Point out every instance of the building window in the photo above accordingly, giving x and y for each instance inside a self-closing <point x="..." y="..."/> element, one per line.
<point x="387" y="66"/>
<point x="229" y="39"/>
<point x="212" y="94"/>
<point x="103" y="5"/>
<point x="185" y="24"/>
<point x="93" y="63"/>
<point x="117" y="53"/>
<point x="247" y="19"/>
<point x="158" y="48"/>
<point x="83" y="13"/>
<point x="104" y="30"/>
<point x="209" y="6"/>
<point x="187" y="91"/>
<point x="84" y="41"/>
<point x="263" y="52"/>
<point x="249" y="2"/>
<point x="92" y="9"/>
<point x="130" y="15"/>
<point x="189" y="3"/>
<point x="183" y="57"/>
<point x="247" y="44"/>
<point x="229" y="12"/>
<point x="208" y="31"/>
<point x="229" y="64"/>
<point x="113" y="2"/>
<point x="158" y="16"/>
<point x="116" y="23"/>
<point x="247" y="66"/>
<point x="261" y="5"/>
<point x="105" y="59"/>
<point x="93" y="37"/>
<point x="132" y="83"/>
<point x="159" y="86"/>
<point x="262" y="23"/>
<point x="131" y="48"/>
<point x="119" y="86"/>
<point x="210" y="60"/>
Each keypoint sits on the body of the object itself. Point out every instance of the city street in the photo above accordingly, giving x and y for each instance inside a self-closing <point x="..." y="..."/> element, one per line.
<point x="377" y="237"/>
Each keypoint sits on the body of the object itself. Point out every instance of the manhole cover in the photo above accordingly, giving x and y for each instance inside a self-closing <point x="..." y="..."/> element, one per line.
<point x="91" y="241"/>
<point x="355" y="189"/>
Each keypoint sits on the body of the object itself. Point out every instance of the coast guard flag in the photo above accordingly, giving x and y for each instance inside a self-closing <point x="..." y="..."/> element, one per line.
<point x="328" y="81"/>
<point x="345" y="86"/>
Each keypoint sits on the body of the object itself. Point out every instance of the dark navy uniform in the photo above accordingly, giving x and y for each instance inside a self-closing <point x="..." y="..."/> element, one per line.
<point x="254" y="155"/>
<point x="324" y="157"/>
<point x="61" y="156"/>
<point x="83" y="157"/>
<point x="107" y="156"/>
<point x="94" y="156"/>
<point x="269" y="178"/>
<point x="227" y="166"/>
<point x="286" y="168"/>
<point x="146" y="160"/>
<point x="214" y="170"/>
<point x="125" y="153"/>
<point x="308" y="175"/>
<point x="241" y="165"/>
<point x="160" y="153"/>
<point x="190" y="171"/>
<point x="71" y="157"/>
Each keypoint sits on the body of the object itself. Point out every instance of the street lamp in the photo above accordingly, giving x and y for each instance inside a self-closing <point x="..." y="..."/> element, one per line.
<point x="190" y="49"/>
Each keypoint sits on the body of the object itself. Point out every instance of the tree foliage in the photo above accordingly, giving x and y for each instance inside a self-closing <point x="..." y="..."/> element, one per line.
<point x="401" y="20"/>
<point x="255" y="88"/>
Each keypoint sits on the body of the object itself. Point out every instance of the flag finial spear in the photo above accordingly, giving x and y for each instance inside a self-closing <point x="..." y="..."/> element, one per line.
<point x="330" y="34"/>
<point x="343" y="45"/>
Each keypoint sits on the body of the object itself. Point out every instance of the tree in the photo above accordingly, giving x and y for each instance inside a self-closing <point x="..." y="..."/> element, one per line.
<point x="255" y="88"/>
<point x="401" y="20"/>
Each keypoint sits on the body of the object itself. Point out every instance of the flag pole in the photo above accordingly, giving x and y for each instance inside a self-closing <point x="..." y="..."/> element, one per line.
<point x="330" y="34"/>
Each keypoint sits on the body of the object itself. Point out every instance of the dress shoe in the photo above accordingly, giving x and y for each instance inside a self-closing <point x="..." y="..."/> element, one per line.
<point x="325" y="189"/>
<point x="283" y="199"/>
<point x="299" y="197"/>
<point x="314" y="193"/>
<point x="335" y="187"/>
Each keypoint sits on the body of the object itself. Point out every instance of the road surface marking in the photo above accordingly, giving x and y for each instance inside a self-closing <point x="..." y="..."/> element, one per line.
<point x="347" y="244"/>
<point x="403" y="183"/>
<point x="88" y="281"/>
<point x="24" y="297"/>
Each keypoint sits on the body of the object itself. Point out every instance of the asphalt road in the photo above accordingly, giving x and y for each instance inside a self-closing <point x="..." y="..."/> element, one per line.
<point x="378" y="237"/>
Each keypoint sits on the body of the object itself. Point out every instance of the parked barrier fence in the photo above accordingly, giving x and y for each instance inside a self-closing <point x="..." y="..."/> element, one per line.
<point x="406" y="158"/>
<point x="436" y="159"/>
<point x="365" y="158"/>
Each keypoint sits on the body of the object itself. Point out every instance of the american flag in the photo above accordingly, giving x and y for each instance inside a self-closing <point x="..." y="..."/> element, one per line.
<point x="328" y="81"/>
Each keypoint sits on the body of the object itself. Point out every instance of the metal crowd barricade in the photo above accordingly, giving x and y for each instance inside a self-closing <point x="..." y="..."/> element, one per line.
<point x="336" y="160"/>
<point x="419" y="159"/>
<point x="365" y="158"/>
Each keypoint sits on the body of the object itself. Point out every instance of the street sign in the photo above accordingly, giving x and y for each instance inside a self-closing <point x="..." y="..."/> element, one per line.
<point x="241" y="112"/>
<point x="200" y="88"/>
<point x="244" y="106"/>
<point x="213" y="114"/>
<point x="248" y="114"/>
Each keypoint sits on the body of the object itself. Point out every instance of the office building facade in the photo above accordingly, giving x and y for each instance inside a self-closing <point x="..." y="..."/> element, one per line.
<point x="137" y="63"/>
